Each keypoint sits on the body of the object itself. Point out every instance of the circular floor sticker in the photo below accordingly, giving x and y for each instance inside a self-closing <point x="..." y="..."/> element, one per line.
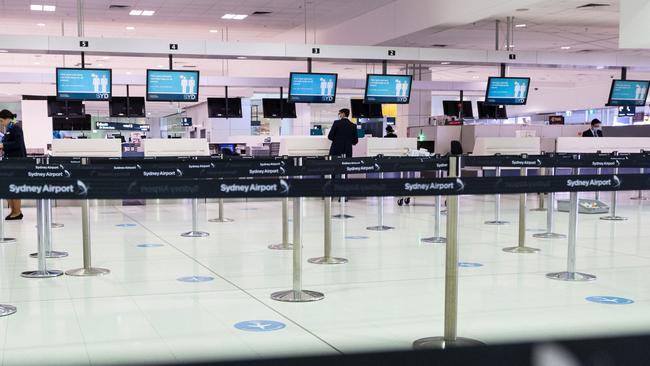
<point x="356" y="237"/>
<point x="150" y="245"/>
<point x="469" y="265"/>
<point x="126" y="225"/>
<point x="195" y="279"/>
<point x="260" y="326"/>
<point x="610" y="300"/>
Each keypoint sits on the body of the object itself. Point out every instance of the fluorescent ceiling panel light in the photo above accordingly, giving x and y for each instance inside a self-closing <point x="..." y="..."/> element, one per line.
<point x="3" y="51"/>
<point x="228" y="16"/>
<point x="214" y="31"/>
<point x="36" y="7"/>
<point x="240" y="17"/>
<point x="445" y="63"/>
<point x="135" y="12"/>
<point x="41" y="24"/>
<point x="130" y="28"/>
<point x="565" y="47"/>
<point x="520" y="25"/>
<point x="49" y="8"/>
<point x="148" y="13"/>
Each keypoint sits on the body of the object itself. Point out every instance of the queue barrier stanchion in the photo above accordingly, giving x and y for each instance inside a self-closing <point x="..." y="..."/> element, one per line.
<point x="297" y="293"/>
<point x="497" y="205"/>
<point x="285" y="245"/>
<point x="436" y="238"/>
<point x="570" y="274"/>
<point x="380" y="214"/>
<point x="88" y="270"/>
<point x="540" y="196"/>
<point x="195" y="233"/>
<point x="612" y="209"/>
<point x="450" y="337"/>
<point x="639" y="195"/>
<point x="342" y="214"/>
<point x="550" y="218"/>
<point x="55" y="225"/>
<point x="47" y="223"/>
<point x="42" y="271"/>
<point x="3" y="239"/>
<point x="599" y="171"/>
<point x="521" y="247"/>
<point x="221" y="217"/>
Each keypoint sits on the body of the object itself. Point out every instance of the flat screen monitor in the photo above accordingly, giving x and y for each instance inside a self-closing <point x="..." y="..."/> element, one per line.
<point x="172" y="86"/>
<point x="312" y="88"/>
<point x="628" y="93"/>
<point x="71" y="123"/>
<point x="117" y="107"/>
<point x="83" y="84"/>
<point x="217" y="108"/>
<point x="507" y="91"/>
<point x="388" y="89"/>
<point x="626" y="111"/>
<point x="555" y="120"/>
<point x="186" y="121"/>
<point x="364" y="110"/>
<point x="57" y="108"/>
<point x="271" y="108"/>
<point x="452" y="108"/>
<point x="490" y="111"/>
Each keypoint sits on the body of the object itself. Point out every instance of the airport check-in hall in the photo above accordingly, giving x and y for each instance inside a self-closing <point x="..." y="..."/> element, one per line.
<point x="309" y="182"/>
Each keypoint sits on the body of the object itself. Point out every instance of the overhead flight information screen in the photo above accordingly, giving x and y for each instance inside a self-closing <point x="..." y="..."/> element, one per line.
<point x="83" y="84"/>
<point x="628" y="93"/>
<point x="388" y="89"/>
<point x="172" y="86"/>
<point x="312" y="88"/>
<point x="507" y="91"/>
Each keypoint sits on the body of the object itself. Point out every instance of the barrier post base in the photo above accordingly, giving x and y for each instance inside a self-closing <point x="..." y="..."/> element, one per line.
<point x="195" y="234"/>
<point x="497" y="222"/>
<point x="613" y="218"/>
<point x="327" y="260"/>
<point x="639" y="198"/>
<point x="571" y="276"/>
<point x="283" y="246"/>
<point x="221" y="219"/>
<point x="52" y="254"/>
<point x="538" y="209"/>
<point x="379" y="228"/>
<point x="7" y="240"/>
<point x="42" y="274"/>
<point x="549" y="236"/>
<point x="297" y="296"/>
<point x="344" y="216"/>
<point x="434" y="240"/>
<point x="87" y="272"/>
<point x="520" y="249"/>
<point x="441" y="343"/>
<point x="7" y="310"/>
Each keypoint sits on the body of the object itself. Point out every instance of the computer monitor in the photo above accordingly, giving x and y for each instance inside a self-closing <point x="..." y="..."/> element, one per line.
<point x="360" y="109"/>
<point x="489" y="111"/>
<point x="56" y="108"/>
<point x="271" y="108"/>
<point x="217" y="108"/>
<point x="71" y="123"/>
<point x="507" y="91"/>
<point x="117" y="107"/>
<point x="172" y="86"/>
<point x="312" y="87"/>
<point x="83" y="84"/>
<point x="626" y="111"/>
<point x="388" y="89"/>
<point x="452" y="108"/>
<point x="628" y="93"/>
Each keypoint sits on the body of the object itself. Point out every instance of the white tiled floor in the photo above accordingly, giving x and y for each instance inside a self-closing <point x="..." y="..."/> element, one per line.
<point x="388" y="295"/>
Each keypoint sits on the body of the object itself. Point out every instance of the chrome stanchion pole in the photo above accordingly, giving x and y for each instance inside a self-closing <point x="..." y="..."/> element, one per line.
<point x="599" y="171"/>
<point x="612" y="213"/>
<point x="327" y="238"/>
<point x="195" y="233"/>
<point x="570" y="274"/>
<point x="540" y="196"/>
<point x="550" y="217"/>
<point x="297" y="294"/>
<point x="54" y="225"/>
<point x="88" y="269"/>
<point x="436" y="238"/>
<point x="450" y="337"/>
<point x="42" y="271"/>
<point x="221" y="217"/>
<point x="285" y="245"/>
<point x="521" y="247"/>
<point x="3" y="239"/>
<point x="497" y="205"/>
<point x="380" y="215"/>
<point x="47" y="224"/>
<point x="639" y="194"/>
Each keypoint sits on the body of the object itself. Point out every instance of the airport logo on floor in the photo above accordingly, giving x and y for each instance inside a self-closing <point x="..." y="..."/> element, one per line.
<point x="260" y="326"/>
<point x="610" y="300"/>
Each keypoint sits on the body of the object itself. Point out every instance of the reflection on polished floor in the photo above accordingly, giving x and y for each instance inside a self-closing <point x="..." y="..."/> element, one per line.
<point x="389" y="294"/>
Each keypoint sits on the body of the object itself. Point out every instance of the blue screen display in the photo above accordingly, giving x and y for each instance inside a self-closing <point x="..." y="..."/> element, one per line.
<point x="186" y="121"/>
<point x="628" y="93"/>
<point x="312" y="88"/>
<point x="388" y="89"/>
<point x="83" y="84"/>
<point x="507" y="91"/>
<point x="172" y="86"/>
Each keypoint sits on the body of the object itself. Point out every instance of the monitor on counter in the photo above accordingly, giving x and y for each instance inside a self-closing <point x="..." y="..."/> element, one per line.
<point x="312" y="88"/>
<point x="186" y="121"/>
<point x="56" y="108"/>
<point x="388" y="89"/>
<point x="452" y="108"/>
<point x="507" y="91"/>
<point x="362" y="110"/>
<point x="628" y="93"/>
<point x="217" y="108"/>
<point x="121" y="107"/>
<point x="172" y="86"/>
<point x="271" y="108"/>
<point x="71" y="123"/>
<point x="489" y="111"/>
<point x="83" y="84"/>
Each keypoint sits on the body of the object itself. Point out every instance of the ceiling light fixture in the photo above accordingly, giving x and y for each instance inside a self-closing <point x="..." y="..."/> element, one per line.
<point x="41" y="24"/>
<point x="445" y="63"/>
<point x="241" y="57"/>
<point x="3" y="51"/>
<point x="130" y="28"/>
<point x="49" y="8"/>
<point x="520" y="25"/>
<point x="214" y="31"/>
<point x="36" y="7"/>
<point x="135" y="12"/>
<point x="565" y="47"/>
<point x="235" y="16"/>
<point x="600" y="67"/>
<point x="148" y="13"/>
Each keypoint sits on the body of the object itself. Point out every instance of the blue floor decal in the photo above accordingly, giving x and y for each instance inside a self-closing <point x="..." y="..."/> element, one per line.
<point x="260" y="326"/>
<point x="150" y="245"/>
<point x="195" y="279"/>
<point x="610" y="300"/>
<point x="126" y="225"/>
<point x="469" y="265"/>
<point x="356" y="237"/>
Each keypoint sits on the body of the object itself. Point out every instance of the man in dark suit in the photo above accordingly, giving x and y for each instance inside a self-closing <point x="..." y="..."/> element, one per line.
<point x="343" y="135"/>
<point x="13" y="146"/>
<point x="595" y="130"/>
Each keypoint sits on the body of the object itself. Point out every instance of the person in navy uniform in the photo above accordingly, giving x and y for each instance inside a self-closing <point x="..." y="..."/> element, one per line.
<point x="595" y="130"/>
<point x="13" y="146"/>
<point x="343" y="135"/>
<point x="390" y="132"/>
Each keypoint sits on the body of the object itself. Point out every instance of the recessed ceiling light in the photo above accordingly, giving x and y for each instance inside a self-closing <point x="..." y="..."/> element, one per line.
<point x="520" y="25"/>
<point x="241" y="57"/>
<point x="37" y="63"/>
<point x="235" y="16"/>
<point x="41" y="24"/>
<point x="228" y="16"/>
<point x="36" y="7"/>
<point x="214" y="31"/>
<point x="565" y="47"/>
<point x="445" y="63"/>
<point x="135" y="12"/>
<point x="600" y="67"/>
<point x="130" y="28"/>
<point x="49" y="8"/>
<point x="475" y="77"/>
<point x="148" y="13"/>
<point x="3" y="51"/>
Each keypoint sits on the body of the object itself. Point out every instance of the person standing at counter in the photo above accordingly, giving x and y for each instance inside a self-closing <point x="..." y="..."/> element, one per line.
<point x="343" y="135"/>
<point x="13" y="146"/>
<point x="595" y="130"/>
<point x="390" y="132"/>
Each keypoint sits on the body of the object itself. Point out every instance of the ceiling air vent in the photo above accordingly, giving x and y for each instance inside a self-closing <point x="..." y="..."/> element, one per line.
<point x="189" y="66"/>
<point x="592" y="5"/>
<point x="439" y="45"/>
<point x="118" y="7"/>
<point x="261" y="13"/>
<point x="78" y="64"/>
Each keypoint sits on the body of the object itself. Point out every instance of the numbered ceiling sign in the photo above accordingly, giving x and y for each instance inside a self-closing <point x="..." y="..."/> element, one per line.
<point x="173" y="46"/>
<point x="84" y="44"/>
<point x="392" y="53"/>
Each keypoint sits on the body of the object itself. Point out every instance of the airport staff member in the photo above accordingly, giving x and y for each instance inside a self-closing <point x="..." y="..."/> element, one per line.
<point x="343" y="135"/>
<point x="13" y="146"/>
<point x="595" y="130"/>
<point x="390" y="132"/>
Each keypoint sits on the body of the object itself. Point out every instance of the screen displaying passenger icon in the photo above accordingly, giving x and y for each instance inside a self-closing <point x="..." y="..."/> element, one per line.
<point x="507" y="91"/>
<point x="83" y="84"/>
<point x="312" y="88"/>
<point x="388" y="89"/>
<point x="628" y="93"/>
<point x="171" y="85"/>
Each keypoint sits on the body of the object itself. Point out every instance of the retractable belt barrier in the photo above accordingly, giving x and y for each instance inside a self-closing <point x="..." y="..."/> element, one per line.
<point x="562" y="160"/>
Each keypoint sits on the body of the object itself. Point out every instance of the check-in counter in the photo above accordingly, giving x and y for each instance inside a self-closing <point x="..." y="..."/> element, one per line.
<point x="96" y="148"/>
<point x="175" y="147"/>
<point x="304" y="146"/>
